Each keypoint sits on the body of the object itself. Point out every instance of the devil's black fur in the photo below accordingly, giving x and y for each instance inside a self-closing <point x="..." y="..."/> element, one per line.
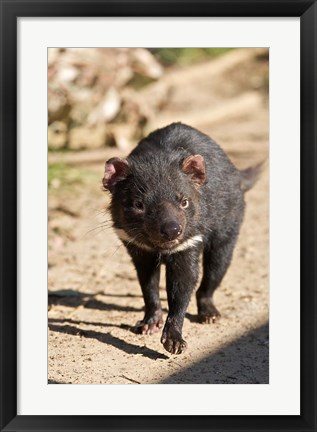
<point x="175" y="197"/>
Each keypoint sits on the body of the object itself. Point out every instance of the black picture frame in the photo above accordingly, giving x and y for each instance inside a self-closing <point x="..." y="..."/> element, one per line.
<point x="10" y="11"/>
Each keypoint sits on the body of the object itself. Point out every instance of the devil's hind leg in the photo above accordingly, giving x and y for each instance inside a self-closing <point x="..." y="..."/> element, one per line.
<point x="216" y="260"/>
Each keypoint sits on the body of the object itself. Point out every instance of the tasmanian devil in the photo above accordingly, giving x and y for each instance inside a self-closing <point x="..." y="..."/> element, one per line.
<point x="175" y="197"/>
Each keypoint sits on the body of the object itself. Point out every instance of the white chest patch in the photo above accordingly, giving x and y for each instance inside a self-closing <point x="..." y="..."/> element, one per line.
<point x="191" y="242"/>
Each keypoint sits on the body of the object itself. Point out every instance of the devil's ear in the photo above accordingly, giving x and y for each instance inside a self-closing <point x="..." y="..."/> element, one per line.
<point x="195" y="166"/>
<point x="116" y="170"/>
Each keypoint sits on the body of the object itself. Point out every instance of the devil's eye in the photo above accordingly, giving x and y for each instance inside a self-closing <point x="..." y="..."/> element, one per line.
<point x="138" y="205"/>
<point x="184" y="203"/>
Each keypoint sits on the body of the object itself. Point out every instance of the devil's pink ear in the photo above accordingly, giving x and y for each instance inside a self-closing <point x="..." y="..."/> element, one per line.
<point x="116" y="170"/>
<point x="195" y="166"/>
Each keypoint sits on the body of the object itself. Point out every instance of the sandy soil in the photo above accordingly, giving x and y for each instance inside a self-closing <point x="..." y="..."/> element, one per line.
<point x="94" y="295"/>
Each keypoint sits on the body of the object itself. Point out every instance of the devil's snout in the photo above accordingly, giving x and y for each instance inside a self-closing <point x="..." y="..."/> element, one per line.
<point x="171" y="230"/>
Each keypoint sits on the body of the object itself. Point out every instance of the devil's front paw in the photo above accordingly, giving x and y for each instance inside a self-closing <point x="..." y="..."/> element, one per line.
<point x="173" y="342"/>
<point x="207" y="312"/>
<point x="151" y="323"/>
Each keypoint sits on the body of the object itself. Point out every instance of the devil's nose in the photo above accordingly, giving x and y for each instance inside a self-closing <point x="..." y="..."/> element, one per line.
<point x="171" y="230"/>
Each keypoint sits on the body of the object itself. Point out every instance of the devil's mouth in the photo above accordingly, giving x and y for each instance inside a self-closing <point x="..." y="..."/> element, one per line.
<point x="168" y="244"/>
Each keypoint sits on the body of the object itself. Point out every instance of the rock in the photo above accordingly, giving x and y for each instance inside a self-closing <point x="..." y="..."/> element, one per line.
<point x="58" y="105"/>
<point x="88" y="77"/>
<point x="122" y="136"/>
<point x="108" y="108"/>
<point x="87" y="137"/>
<point x="53" y="55"/>
<point x="67" y="74"/>
<point x="110" y="105"/>
<point x="87" y="94"/>
<point x="124" y="75"/>
<point x="144" y="63"/>
<point x="80" y="112"/>
<point x="57" y="135"/>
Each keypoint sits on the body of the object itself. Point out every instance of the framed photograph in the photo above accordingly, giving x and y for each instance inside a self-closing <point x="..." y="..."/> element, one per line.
<point x="244" y="74"/>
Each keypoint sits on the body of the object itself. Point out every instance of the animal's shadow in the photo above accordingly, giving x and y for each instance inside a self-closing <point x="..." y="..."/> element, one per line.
<point x="75" y="299"/>
<point x="59" y="325"/>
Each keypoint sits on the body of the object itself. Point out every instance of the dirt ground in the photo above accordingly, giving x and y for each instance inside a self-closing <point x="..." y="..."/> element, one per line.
<point x="94" y="296"/>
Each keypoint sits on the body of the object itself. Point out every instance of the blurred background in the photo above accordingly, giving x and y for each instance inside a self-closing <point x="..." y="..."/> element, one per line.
<point x="101" y="102"/>
<point x="103" y="97"/>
